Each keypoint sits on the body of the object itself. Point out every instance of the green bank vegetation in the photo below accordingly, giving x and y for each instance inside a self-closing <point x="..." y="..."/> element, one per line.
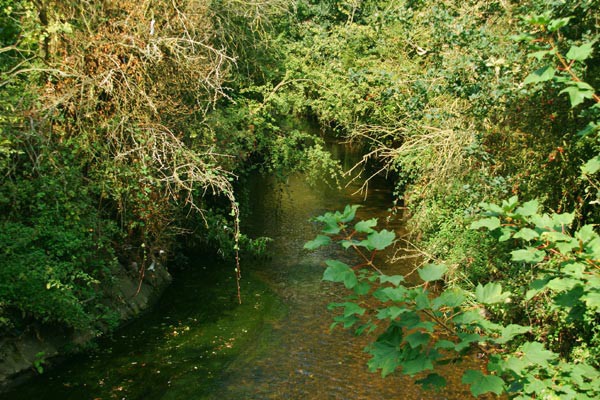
<point x="486" y="115"/>
<point x="126" y="125"/>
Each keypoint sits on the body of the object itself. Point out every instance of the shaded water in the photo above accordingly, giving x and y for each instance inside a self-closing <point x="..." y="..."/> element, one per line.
<point x="198" y="344"/>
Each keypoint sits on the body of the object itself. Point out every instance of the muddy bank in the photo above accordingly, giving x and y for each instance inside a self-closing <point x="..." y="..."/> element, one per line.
<point x="21" y="356"/>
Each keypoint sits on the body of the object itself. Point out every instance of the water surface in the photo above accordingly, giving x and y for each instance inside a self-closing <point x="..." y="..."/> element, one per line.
<point x="199" y="344"/>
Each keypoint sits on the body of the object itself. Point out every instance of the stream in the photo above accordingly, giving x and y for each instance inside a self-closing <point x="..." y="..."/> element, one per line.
<point x="198" y="343"/>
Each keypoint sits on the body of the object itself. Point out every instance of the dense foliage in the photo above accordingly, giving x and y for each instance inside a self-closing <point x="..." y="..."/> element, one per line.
<point x="124" y="126"/>
<point x="487" y="115"/>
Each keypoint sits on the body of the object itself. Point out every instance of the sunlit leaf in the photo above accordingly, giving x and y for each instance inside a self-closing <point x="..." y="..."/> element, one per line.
<point x="535" y="353"/>
<point x="580" y="53"/>
<point x="556" y="24"/>
<point x="365" y="226"/>
<point x="541" y="75"/>
<point x="490" y="223"/>
<point x="490" y="293"/>
<point x="528" y="209"/>
<point x="530" y="255"/>
<point x="526" y="234"/>
<point x="577" y="95"/>
<point x="466" y="339"/>
<point x="449" y="298"/>
<point x="380" y="240"/>
<point x="349" y="213"/>
<point x="591" y="166"/>
<point x="481" y="384"/>
<point x="393" y="279"/>
<point x="509" y="332"/>
<point x="320" y="240"/>
<point x="432" y="272"/>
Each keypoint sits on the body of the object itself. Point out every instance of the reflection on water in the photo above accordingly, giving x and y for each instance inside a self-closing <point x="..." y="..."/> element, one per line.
<point x="198" y="344"/>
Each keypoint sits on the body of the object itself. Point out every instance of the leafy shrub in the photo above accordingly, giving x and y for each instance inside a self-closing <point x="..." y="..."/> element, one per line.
<point x="56" y="250"/>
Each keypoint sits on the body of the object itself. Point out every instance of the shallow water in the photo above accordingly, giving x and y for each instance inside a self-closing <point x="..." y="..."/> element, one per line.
<point x="199" y="344"/>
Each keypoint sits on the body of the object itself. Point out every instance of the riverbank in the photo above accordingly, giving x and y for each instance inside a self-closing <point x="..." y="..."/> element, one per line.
<point x="34" y="350"/>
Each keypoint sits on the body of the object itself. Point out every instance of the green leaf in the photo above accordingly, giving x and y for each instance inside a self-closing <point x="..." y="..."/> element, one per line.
<point x="535" y="287"/>
<point x="352" y="308"/>
<point x="444" y="344"/>
<point x="577" y="95"/>
<point x="332" y="229"/>
<point x="386" y="350"/>
<point x="397" y="294"/>
<point x="490" y="293"/>
<point x="349" y="243"/>
<point x="535" y="353"/>
<point x="468" y="318"/>
<point x="509" y="332"/>
<point x="319" y="241"/>
<point x="562" y="284"/>
<point x="418" y="364"/>
<point x="492" y="208"/>
<point x="541" y="19"/>
<point x="432" y="381"/>
<point x="540" y="54"/>
<point x="365" y="226"/>
<point x="522" y="37"/>
<point x="337" y="271"/>
<point x="567" y="247"/>
<point x="481" y="384"/>
<point x="581" y="53"/>
<point x="568" y="299"/>
<point x="417" y="339"/>
<point x="510" y="204"/>
<point x="385" y="357"/>
<point x="556" y="24"/>
<point x="528" y="209"/>
<point x="515" y="364"/>
<point x="391" y="312"/>
<point x="526" y="234"/>
<point x="349" y="213"/>
<point x="432" y="272"/>
<point x="590" y="128"/>
<point x="586" y="233"/>
<point x="507" y="232"/>
<point x="561" y="220"/>
<point x="346" y="322"/>
<point x="332" y="223"/>
<point x="542" y="222"/>
<point x="555" y="236"/>
<point x="541" y="75"/>
<point x="393" y="279"/>
<point x="574" y="270"/>
<point x="380" y="240"/>
<point x="592" y="299"/>
<point x="591" y="166"/>
<point x="362" y="288"/>
<point x="449" y="298"/>
<point x="489" y="223"/>
<point x="530" y="255"/>
<point x="422" y="301"/>
<point x="466" y="339"/>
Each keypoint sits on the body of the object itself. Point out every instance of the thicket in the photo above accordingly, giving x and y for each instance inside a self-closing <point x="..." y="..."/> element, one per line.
<point x="486" y="115"/>
<point x="125" y="125"/>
